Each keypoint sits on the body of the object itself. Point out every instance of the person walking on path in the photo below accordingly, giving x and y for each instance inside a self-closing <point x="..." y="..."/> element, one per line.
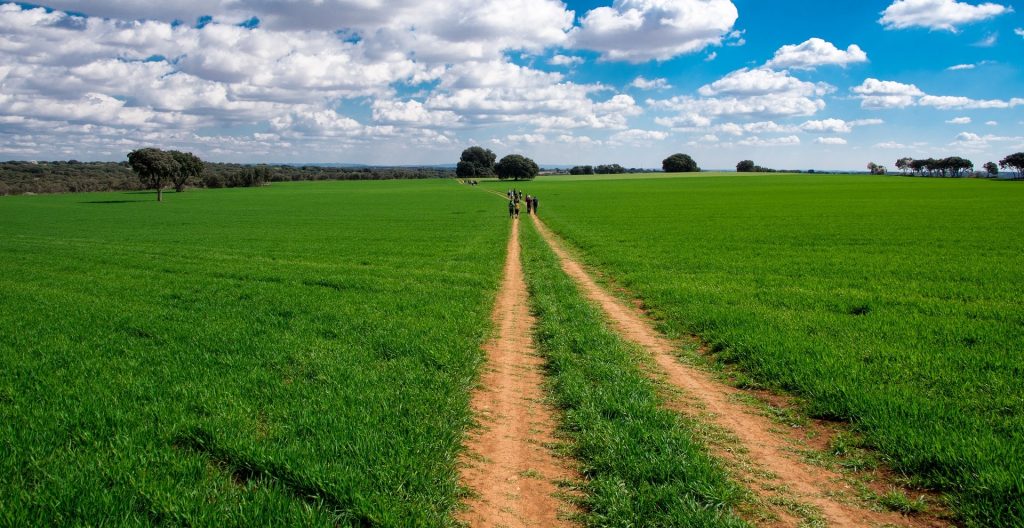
<point x="535" y="205"/>
<point x="511" y="209"/>
<point x="517" y="209"/>
<point x="529" y="204"/>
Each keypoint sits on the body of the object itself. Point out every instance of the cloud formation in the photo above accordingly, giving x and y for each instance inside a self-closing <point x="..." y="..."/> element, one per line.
<point x="815" y="52"/>
<point x="644" y="30"/>
<point x="945" y="15"/>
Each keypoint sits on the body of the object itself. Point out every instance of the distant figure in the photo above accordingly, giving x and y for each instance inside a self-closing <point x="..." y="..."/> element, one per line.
<point x="529" y="204"/>
<point x="511" y="209"/>
<point x="534" y="205"/>
<point x="517" y="209"/>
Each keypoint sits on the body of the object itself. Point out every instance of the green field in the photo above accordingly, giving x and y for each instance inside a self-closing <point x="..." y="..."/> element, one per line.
<point x="893" y="303"/>
<point x="294" y="355"/>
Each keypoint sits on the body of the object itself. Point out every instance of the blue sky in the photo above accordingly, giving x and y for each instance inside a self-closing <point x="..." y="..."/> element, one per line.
<point x="790" y="84"/>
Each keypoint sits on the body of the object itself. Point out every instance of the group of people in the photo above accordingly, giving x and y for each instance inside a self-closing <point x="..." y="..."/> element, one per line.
<point x="516" y="196"/>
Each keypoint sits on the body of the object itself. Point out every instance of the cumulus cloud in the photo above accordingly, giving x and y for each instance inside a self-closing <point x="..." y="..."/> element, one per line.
<point x="959" y="121"/>
<point x="815" y="52"/>
<point x="830" y="141"/>
<point x="650" y="84"/>
<point x="874" y="93"/>
<point x="938" y="14"/>
<point x="750" y="93"/>
<point x="565" y="60"/>
<point x="960" y="67"/>
<point x="838" y="126"/>
<point x="643" y="30"/>
<point x="1019" y="32"/>
<point x="783" y="141"/>
<point x="638" y="137"/>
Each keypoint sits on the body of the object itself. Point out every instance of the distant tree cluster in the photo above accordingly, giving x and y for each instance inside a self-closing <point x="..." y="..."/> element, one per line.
<point x="478" y="162"/>
<point x="20" y="177"/>
<point x="749" y="166"/>
<point x="876" y="169"/>
<point x="614" y="168"/>
<point x="679" y="163"/>
<point x="951" y="167"/>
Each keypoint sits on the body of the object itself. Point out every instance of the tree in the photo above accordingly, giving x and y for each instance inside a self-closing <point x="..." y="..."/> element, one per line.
<point x="516" y="167"/>
<point x="1015" y="162"/>
<point x="956" y="166"/>
<point x="189" y="167"/>
<point x="582" y="169"/>
<point x="481" y="159"/>
<point x="465" y="170"/>
<point x="614" y="168"/>
<point x="745" y="166"/>
<point x="154" y="168"/>
<point x="876" y="169"/>
<point x="991" y="169"/>
<point x="903" y="164"/>
<point x="679" y="163"/>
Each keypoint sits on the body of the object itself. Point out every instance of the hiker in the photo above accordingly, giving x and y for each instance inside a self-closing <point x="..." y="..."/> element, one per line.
<point x="529" y="204"/>
<point x="511" y="209"/>
<point x="517" y="209"/>
<point x="535" y="205"/>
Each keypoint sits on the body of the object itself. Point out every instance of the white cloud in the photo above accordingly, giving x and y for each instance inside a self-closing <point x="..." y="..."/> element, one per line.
<point x="638" y="137"/>
<point x="527" y="138"/>
<point x="650" y="84"/>
<point x="815" y="52"/>
<point x="938" y="14"/>
<point x="643" y="30"/>
<point x="960" y="67"/>
<point x="992" y="123"/>
<point x="566" y="60"/>
<point x="1019" y="32"/>
<point x="830" y="141"/>
<point x="891" y="145"/>
<point x="972" y="141"/>
<point x="837" y="126"/>
<point x="784" y="141"/>
<point x="959" y="121"/>
<point x="989" y="41"/>
<point x="751" y="93"/>
<point x="874" y="93"/>
<point x="891" y="94"/>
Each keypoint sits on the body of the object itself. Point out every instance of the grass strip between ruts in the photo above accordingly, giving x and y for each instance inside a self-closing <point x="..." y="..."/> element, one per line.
<point x="642" y="465"/>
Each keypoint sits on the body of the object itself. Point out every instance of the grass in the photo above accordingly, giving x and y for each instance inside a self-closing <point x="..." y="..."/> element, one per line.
<point x="643" y="467"/>
<point x="294" y="355"/>
<point x="892" y="303"/>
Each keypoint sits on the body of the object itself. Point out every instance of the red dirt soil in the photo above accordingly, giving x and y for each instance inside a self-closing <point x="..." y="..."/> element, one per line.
<point x="509" y="465"/>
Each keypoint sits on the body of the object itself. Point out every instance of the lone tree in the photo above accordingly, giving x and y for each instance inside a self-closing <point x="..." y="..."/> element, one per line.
<point x="154" y="167"/>
<point x="189" y="167"/>
<point x="745" y="166"/>
<point x="476" y="162"/>
<point x="679" y="163"/>
<point x="516" y="167"/>
<point x="875" y="168"/>
<point x="991" y="169"/>
<point x="1014" y="162"/>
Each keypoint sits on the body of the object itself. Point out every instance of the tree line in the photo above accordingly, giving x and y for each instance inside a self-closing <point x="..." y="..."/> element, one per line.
<point x="21" y="177"/>
<point x="957" y="167"/>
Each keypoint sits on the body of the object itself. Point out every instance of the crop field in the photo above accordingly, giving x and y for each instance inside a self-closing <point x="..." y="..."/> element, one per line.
<point x="294" y="355"/>
<point x="892" y="303"/>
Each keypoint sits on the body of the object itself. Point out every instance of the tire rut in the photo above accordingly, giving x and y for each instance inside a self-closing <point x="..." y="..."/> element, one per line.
<point x="509" y="465"/>
<point x="710" y="400"/>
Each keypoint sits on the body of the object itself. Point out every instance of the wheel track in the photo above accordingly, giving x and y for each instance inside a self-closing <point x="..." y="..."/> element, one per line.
<point x="509" y="466"/>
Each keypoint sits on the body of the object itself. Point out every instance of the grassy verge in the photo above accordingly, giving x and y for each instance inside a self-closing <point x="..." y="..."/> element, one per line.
<point x="642" y="466"/>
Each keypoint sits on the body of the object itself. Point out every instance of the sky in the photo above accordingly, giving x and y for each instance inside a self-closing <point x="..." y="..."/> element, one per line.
<point x="794" y="84"/>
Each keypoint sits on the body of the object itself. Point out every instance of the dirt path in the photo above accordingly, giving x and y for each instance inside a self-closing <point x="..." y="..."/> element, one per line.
<point x="509" y="466"/>
<point x="767" y="449"/>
